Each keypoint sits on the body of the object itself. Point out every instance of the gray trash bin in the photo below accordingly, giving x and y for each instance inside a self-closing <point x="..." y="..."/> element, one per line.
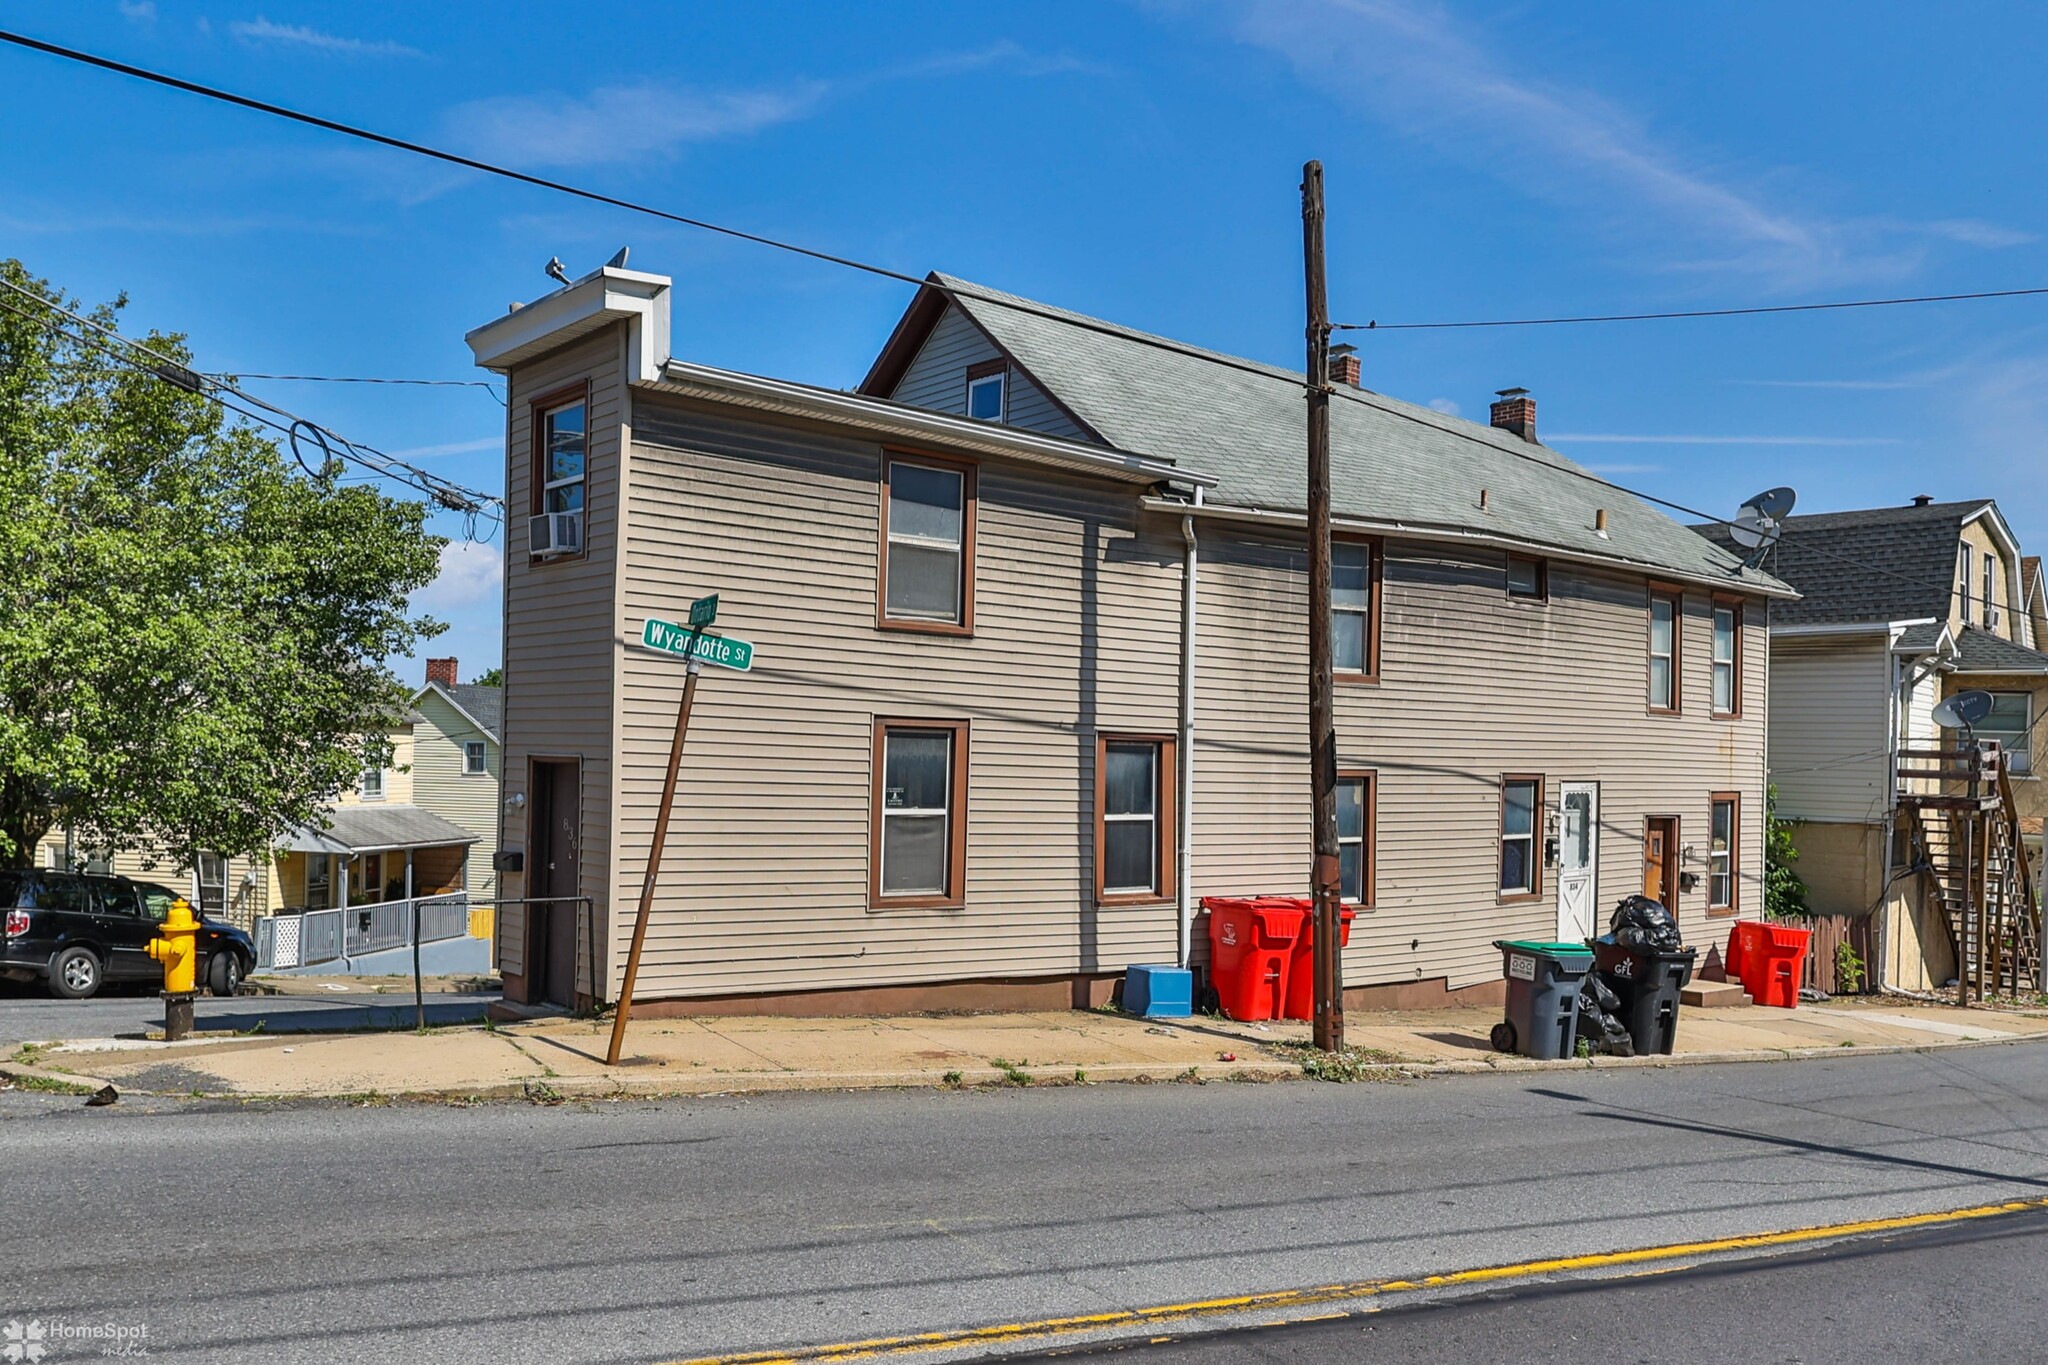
<point x="1543" y="996"/>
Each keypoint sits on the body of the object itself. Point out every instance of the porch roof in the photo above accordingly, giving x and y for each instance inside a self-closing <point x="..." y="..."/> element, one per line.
<point x="372" y="828"/>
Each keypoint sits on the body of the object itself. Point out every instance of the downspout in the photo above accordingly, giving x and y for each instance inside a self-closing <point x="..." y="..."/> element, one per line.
<point x="1184" y="851"/>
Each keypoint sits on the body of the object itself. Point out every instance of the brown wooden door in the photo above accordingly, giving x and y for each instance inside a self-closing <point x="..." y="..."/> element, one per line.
<point x="557" y="833"/>
<point x="1660" y="861"/>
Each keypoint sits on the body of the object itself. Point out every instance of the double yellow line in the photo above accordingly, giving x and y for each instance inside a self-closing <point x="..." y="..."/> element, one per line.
<point x="1285" y="1301"/>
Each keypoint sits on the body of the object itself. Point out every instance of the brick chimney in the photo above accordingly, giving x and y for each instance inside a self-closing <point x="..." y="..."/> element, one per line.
<point x="1344" y="367"/>
<point x="441" y="671"/>
<point x="1514" y="410"/>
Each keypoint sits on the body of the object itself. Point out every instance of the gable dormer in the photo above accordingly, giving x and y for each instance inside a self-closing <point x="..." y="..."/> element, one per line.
<point x="941" y="359"/>
<point x="1989" y="581"/>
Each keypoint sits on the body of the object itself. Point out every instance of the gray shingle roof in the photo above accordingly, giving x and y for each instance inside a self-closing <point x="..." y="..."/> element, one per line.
<point x="1878" y="564"/>
<point x="485" y="704"/>
<point x="1979" y="651"/>
<point x="1922" y="639"/>
<point x="375" y="825"/>
<point x="1391" y="462"/>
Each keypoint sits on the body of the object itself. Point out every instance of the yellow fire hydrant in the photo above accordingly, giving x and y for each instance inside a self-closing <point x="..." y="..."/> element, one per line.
<point x="177" y="947"/>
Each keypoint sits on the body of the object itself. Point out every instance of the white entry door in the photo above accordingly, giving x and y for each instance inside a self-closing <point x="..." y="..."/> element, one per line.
<point x="1578" y="861"/>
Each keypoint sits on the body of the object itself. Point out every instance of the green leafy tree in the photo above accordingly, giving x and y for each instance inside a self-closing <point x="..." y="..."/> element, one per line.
<point x="1784" y="891"/>
<point x="191" y="627"/>
<point x="491" y="677"/>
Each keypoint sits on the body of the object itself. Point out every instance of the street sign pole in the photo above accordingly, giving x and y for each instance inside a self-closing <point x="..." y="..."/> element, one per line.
<point x="702" y="612"/>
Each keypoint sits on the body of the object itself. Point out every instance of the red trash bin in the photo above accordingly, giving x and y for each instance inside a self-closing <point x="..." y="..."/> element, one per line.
<point x="1744" y="936"/>
<point x="1250" y="941"/>
<point x="1775" y="964"/>
<point x="1301" y="972"/>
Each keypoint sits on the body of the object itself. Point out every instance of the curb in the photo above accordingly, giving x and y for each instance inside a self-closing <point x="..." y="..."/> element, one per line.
<point x="15" y="1071"/>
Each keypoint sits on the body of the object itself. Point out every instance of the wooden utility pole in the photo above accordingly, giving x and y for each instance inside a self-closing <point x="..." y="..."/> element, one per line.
<point x="668" y="802"/>
<point x="1322" y="719"/>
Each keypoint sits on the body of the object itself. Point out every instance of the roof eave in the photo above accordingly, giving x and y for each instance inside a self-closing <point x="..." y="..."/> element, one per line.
<point x="900" y="421"/>
<point x="486" y="731"/>
<point x="1769" y="588"/>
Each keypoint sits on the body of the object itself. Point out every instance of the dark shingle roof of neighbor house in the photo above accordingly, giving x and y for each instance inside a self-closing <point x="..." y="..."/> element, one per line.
<point x="1877" y="564"/>
<point x="485" y="705"/>
<point x="374" y="825"/>
<point x="1921" y="639"/>
<point x="1979" y="651"/>
<point x="1392" y="463"/>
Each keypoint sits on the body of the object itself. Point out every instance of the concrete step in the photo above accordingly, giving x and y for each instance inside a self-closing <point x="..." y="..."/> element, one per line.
<point x="1715" y="995"/>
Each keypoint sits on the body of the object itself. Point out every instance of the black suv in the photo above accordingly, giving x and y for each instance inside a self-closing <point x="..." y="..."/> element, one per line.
<point x="78" y="933"/>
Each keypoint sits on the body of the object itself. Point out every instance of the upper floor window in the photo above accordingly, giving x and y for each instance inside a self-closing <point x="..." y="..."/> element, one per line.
<point x="474" y="759"/>
<point x="1528" y="577"/>
<point x="1665" y="657"/>
<point x="1990" y="590"/>
<point x="563" y="444"/>
<point x="1354" y="608"/>
<point x="2011" y="723"/>
<point x="987" y="384"/>
<point x="371" y="787"/>
<point x="1727" y="658"/>
<point x="928" y="545"/>
<point x="213" y="881"/>
<point x="1965" y="588"/>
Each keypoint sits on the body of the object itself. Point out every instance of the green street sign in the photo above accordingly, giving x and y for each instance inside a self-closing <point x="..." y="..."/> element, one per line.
<point x="704" y="610"/>
<point x="723" y="650"/>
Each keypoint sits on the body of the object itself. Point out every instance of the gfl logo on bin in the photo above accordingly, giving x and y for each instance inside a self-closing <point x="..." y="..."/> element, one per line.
<point x="1228" y="934"/>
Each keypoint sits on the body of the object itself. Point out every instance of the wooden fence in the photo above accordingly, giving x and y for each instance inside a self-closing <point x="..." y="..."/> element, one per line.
<point x="1829" y="933"/>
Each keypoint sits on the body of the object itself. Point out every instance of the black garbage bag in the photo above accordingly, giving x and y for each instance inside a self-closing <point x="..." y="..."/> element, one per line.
<point x="1600" y="1027"/>
<point x="1640" y="922"/>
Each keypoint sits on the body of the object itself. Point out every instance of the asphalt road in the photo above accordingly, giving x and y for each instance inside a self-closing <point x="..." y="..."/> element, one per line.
<point x="34" y="1017"/>
<point x="643" y="1231"/>
<point x="1969" y="1292"/>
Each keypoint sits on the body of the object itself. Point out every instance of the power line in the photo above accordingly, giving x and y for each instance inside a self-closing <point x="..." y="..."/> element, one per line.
<point x="445" y="493"/>
<point x="1693" y="313"/>
<point x="353" y="379"/>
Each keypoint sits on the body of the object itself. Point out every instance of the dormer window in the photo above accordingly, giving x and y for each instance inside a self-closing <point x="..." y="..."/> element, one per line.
<point x="986" y="385"/>
<point x="1990" y="591"/>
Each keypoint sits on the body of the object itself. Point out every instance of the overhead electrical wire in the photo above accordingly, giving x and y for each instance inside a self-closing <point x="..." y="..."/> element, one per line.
<point x="1023" y="306"/>
<point x="354" y="379"/>
<point x="334" y="449"/>
<point x="1690" y="313"/>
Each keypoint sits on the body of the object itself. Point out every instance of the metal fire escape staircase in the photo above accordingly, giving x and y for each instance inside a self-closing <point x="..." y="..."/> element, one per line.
<point x="1958" y="805"/>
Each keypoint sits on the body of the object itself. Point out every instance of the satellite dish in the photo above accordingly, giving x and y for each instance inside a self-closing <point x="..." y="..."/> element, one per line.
<point x="1759" y="521"/>
<point x="1963" y="710"/>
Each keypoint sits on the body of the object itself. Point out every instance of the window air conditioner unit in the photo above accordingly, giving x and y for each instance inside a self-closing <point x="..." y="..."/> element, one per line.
<point x="555" y="533"/>
<point x="1991" y="619"/>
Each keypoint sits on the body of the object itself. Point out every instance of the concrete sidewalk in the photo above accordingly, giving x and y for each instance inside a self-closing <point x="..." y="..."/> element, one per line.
<point x="562" y="1058"/>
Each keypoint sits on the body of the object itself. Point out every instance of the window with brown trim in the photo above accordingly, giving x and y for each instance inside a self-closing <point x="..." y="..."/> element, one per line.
<point x="1667" y="649"/>
<point x="1521" y="819"/>
<point x="1134" y="818"/>
<point x="1724" y="840"/>
<point x="1355" y="609"/>
<point x="918" y="835"/>
<point x="927" y="560"/>
<point x="1358" y="799"/>
<point x="988" y="390"/>
<point x="1528" y="577"/>
<point x="1727" y="658"/>
<point x="558" y="471"/>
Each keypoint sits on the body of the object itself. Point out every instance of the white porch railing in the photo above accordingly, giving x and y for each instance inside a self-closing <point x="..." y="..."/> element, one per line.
<point x="312" y="937"/>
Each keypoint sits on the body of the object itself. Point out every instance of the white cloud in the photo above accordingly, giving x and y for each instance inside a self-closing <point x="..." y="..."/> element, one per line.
<point x="1417" y="66"/>
<point x="624" y="122"/>
<point x="138" y="11"/>
<point x="1447" y="406"/>
<point x="261" y="30"/>
<point x="451" y="448"/>
<point x="618" y="123"/>
<point x="471" y="572"/>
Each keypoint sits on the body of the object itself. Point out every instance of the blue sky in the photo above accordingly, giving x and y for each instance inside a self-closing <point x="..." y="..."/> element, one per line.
<point x="1138" y="161"/>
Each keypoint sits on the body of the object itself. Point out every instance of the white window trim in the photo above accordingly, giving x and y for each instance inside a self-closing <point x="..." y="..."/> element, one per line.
<point x="370" y="786"/>
<point x="548" y="455"/>
<point x="483" y="753"/>
<point x="1150" y="820"/>
<point x="2026" y="731"/>
<point x="999" y="379"/>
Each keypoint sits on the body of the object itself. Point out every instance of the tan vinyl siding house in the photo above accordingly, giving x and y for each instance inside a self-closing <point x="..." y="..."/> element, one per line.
<point x="444" y="782"/>
<point x="1068" y="654"/>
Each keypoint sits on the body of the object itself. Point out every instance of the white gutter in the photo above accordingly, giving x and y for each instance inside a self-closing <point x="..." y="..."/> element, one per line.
<point x="909" y="423"/>
<point x="1410" y="531"/>
<point x="1185" y="853"/>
